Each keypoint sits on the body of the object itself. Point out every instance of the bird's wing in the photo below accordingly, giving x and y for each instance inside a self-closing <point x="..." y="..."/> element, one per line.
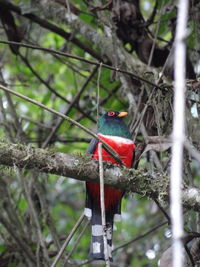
<point x="92" y="145"/>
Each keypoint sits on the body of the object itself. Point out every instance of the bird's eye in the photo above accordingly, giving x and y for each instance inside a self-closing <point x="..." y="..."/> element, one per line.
<point x="111" y="113"/>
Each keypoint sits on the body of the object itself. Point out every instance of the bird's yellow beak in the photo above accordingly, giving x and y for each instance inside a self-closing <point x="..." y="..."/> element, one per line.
<point x="122" y="114"/>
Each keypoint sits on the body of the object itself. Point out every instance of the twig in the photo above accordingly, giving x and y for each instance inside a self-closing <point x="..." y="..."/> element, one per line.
<point x="163" y="211"/>
<point x="82" y="59"/>
<point x="103" y="101"/>
<point x="50" y="243"/>
<point x="59" y="255"/>
<point x="71" y="105"/>
<point x="178" y="137"/>
<point x="39" y="124"/>
<point x="39" y="190"/>
<point x="17" y="124"/>
<point x="130" y="242"/>
<point x="34" y="216"/>
<point x="102" y="201"/>
<point x="51" y="27"/>
<point x="156" y="32"/>
<point x="153" y="14"/>
<point x="35" y="73"/>
<point x="106" y="146"/>
<point x="192" y="150"/>
<point x="98" y="89"/>
<point x="76" y="243"/>
<point x="10" y="209"/>
<point x="140" y="236"/>
<point x="72" y="66"/>
<point x="189" y="255"/>
<point x="14" y="234"/>
<point x="52" y="89"/>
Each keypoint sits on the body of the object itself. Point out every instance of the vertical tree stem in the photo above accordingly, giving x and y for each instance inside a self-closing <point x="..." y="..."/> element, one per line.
<point x="103" y="215"/>
<point x="178" y="136"/>
<point x="98" y="90"/>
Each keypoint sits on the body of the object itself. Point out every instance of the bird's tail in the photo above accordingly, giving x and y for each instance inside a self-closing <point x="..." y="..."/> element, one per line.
<point x="93" y="212"/>
<point x="98" y="248"/>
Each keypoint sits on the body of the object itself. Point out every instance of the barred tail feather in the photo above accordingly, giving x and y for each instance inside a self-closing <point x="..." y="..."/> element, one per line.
<point x="97" y="249"/>
<point x="93" y="212"/>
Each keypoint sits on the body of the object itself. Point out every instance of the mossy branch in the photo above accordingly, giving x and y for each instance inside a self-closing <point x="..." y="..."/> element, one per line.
<point x="83" y="168"/>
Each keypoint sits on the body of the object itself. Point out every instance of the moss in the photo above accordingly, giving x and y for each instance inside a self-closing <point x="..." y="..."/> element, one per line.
<point x="161" y="187"/>
<point x="146" y="184"/>
<point x="82" y="161"/>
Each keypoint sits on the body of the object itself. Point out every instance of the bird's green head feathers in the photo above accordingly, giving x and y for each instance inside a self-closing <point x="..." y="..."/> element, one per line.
<point x="111" y="123"/>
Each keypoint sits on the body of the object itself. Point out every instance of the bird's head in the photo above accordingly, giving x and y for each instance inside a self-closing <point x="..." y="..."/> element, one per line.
<point x="111" y="123"/>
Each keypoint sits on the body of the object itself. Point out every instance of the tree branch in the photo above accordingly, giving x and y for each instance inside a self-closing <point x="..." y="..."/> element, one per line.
<point x="60" y="53"/>
<point x="51" y="27"/>
<point x="83" y="168"/>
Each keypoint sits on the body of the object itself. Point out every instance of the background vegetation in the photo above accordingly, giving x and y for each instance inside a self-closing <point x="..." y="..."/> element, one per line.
<point x="122" y="60"/>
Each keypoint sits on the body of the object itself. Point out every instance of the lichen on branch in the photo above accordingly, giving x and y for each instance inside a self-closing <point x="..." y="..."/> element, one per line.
<point x="84" y="168"/>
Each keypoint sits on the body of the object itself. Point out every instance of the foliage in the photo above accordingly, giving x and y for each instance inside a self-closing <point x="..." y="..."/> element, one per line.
<point x="39" y="209"/>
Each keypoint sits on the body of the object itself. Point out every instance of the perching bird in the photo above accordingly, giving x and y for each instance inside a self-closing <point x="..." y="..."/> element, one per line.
<point x="114" y="132"/>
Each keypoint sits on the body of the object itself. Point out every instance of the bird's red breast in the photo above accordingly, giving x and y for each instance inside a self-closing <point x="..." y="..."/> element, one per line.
<point x="125" y="149"/>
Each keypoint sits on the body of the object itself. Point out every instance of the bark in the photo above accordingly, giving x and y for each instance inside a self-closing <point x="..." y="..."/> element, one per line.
<point x="81" y="167"/>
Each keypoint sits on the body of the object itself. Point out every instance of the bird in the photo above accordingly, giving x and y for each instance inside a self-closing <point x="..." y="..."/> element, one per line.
<point x="112" y="130"/>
